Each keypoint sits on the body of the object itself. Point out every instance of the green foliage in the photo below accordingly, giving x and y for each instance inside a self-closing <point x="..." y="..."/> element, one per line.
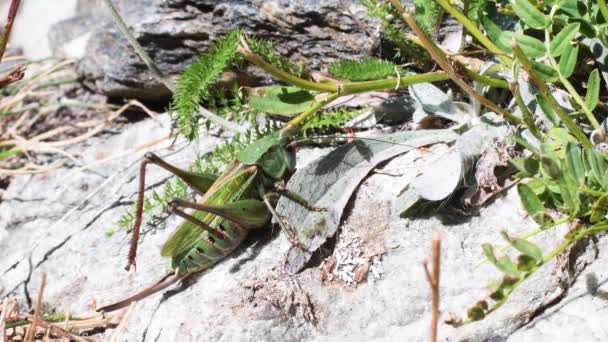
<point x="428" y="15"/>
<point x="328" y="120"/>
<point x="195" y="83"/>
<point x="368" y="68"/>
<point x="474" y="10"/>
<point x="281" y="100"/>
<point x="265" y="49"/>
<point x="392" y="27"/>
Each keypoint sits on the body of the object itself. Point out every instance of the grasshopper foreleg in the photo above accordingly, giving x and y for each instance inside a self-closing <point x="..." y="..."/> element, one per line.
<point x="199" y="182"/>
<point x="292" y="235"/>
<point x="280" y="188"/>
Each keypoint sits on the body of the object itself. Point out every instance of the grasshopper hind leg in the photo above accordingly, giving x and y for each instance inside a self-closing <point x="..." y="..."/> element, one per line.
<point x="199" y="182"/>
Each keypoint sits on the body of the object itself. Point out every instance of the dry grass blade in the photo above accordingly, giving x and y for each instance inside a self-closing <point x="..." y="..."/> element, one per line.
<point x="32" y="330"/>
<point x="59" y="331"/>
<point x="15" y="75"/>
<point x="123" y="323"/>
<point x="432" y="276"/>
<point x="3" y="319"/>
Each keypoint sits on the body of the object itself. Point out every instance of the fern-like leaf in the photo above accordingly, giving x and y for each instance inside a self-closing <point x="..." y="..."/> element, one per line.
<point x="265" y="49"/>
<point x="393" y="29"/>
<point x="194" y="85"/>
<point x="428" y="15"/>
<point x="369" y="68"/>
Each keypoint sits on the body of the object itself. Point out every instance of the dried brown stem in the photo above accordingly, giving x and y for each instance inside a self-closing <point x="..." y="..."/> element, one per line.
<point x="432" y="277"/>
<point x="450" y="67"/>
<point x="13" y="76"/>
<point x="12" y="13"/>
<point x="36" y="319"/>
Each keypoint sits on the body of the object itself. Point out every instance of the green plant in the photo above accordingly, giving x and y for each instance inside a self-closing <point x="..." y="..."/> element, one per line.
<point x="561" y="182"/>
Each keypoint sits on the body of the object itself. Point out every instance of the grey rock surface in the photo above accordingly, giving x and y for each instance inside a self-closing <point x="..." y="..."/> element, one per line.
<point x="55" y="223"/>
<point x="175" y="32"/>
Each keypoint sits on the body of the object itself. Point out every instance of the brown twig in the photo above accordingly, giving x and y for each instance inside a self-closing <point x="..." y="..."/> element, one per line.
<point x="35" y="321"/>
<point x="59" y="331"/>
<point x="432" y="276"/>
<point x="123" y="323"/>
<point x="448" y="66"/>
<point x="12" y="13"/>
<point x="15" y="75"/>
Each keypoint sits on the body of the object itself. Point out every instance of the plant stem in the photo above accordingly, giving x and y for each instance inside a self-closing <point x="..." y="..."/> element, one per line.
<point x="138" y="48"/>
<point x="603" y="8"/>
<point x="391" y="83"/>
<point x="546" y="93"/>
<point x="438" y="56"/>
<point x="566" y="83"/>
<point x="474" y="31"/>
<point x="329" y="87"/>
<point x="293" y="126"/>
<point x="12" y="13"/>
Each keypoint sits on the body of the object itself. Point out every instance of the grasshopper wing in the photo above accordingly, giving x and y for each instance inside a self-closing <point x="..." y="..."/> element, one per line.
<point x="183" y="238"/>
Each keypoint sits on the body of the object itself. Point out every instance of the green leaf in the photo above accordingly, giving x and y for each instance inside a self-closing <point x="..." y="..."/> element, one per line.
<point x="488" y="252"/>
<point x="281" y="100"/>
<point x="369" y="68"/>
<point x="507" y="266"/>
<point x="563" y="38"/>
<point x="197" y="80"/>
<point x="529" y="14"/>
<point x="567" y="61"/>
<point x="593" y="90"/>
<point x="549" y="161"/>
<point x="428" y="15"/>
<point x="532" y="47"/>
<point x="527" y="166"/>
<point x="595" y="164"/>
<point x="531" y="203"/>
<point x="575" y="163"/>
<point x="599" y="209"/>
<point x="561" y="137"/>
<point x="528" y="248"/>
<point x="546" y="73"/>
<point x="504" y="39"/>
<point x="569" y="191"/>
<point x="547" y="109"/>
<point x="251" y="154"/>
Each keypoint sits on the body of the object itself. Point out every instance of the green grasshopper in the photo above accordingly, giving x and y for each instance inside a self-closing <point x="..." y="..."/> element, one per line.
<point x="229" y="205"/>
<point x="235" y="202"/>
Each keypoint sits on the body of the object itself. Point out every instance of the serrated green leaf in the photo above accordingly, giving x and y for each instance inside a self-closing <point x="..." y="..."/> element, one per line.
<point x="563" y="38"/>
<point x="595" y="164"/>
<point x="567" y="61"/>
<point x="599" y="209"/>
<point x="593" y="90"/>
<point x="281" y="100"/>
<point x="546" y="73"/>
<point x="532" y="47"/>
<point x="529" y="14"/>
<point x="369" y="68"/>
<point x="531" y="203"/>
<point x="575" y="163"/>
